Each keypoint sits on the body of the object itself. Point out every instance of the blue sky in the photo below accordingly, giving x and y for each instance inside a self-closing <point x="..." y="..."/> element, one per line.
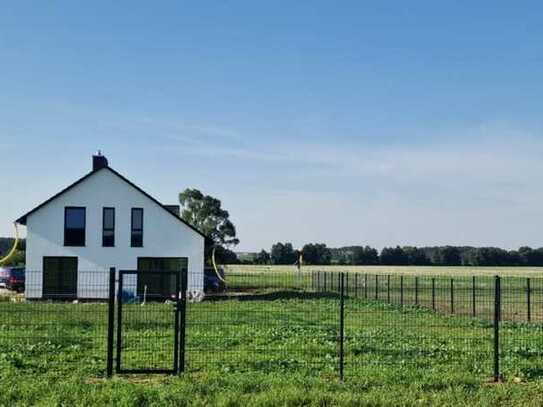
<point x="376" y="123"/>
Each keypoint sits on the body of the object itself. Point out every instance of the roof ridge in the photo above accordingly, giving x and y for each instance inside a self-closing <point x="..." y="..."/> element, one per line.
<point x="22" y="220"/>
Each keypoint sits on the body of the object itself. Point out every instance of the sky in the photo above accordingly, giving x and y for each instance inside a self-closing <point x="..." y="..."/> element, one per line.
<point x="381" y="123"/>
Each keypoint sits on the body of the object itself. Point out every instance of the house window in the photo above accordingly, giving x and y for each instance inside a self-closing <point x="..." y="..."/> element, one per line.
<point x="108" y="227"/>
<point x="136" y="237"/>
<point x="74" y="226"/>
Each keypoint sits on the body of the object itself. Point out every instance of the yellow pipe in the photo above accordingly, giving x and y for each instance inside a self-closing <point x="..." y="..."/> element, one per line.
<point x="215" y="265"/>
<point x="13" y="249"/>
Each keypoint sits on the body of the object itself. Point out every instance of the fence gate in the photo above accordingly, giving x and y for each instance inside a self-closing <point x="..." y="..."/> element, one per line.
<point x="150" y="310"/>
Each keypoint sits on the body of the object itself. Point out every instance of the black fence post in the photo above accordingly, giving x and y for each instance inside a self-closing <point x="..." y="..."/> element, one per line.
<point x="110" y="322"/>
<point x="452" y="296"/>
<point x="377" y="286"/>
<point x="416" y="290"/>
<point x="325" y="281"/>
<point x="433" y="293"/>
<point x="341" y="325"/>
<point x="388" y="288"/>
<point x="528" y="299"/>
<point x="183" y="321"/>
<point x="497" y="316"/>
<point x="473" y="304"/>
<point x="401" y="291"/>
<point x="119" y="322"/>
<point x="318" y="282"/>
<point x="177" y="308"/>
<point x="365" y="286"/>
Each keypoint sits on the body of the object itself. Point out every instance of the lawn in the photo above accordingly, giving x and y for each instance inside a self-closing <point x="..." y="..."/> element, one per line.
<point x="269" y="348"/>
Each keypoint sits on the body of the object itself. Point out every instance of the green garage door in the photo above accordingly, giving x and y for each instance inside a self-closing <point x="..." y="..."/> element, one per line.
<point x="60" y="277"/>
<point x="154" y="283"/>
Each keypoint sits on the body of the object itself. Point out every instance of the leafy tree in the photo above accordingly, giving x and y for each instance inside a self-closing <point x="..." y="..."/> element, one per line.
<point x="531" y="257"/>
<point x="224" y="255"/>
<point x="283" y="253"/>
<point x="364" y="256"/>
<point x="205" y="213"/>
<point x="416" y="256"/>
<point x="341" y="256"/>
<point x="263" y="257"/>
<point x="317" y="254"/>
<point x="18" y="259"/>
<point x="447" y="256"/>
<point x="393" y="256"/>
<point x="6" y="243"/>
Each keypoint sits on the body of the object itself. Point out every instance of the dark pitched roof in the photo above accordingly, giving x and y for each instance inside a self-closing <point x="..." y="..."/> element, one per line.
<point x="22" y="219"/>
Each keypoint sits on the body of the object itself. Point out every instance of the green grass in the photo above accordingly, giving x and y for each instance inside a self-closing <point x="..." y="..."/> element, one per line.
<point x="455" y="294"/>
<point x="405" y="270"/>
<point x="271" y="348"/>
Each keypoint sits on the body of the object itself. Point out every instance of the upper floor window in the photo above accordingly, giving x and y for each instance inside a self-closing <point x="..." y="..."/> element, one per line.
<point x="108" y="227"/>
<point x="74" y="226"/>
<point x="136" y="237"/>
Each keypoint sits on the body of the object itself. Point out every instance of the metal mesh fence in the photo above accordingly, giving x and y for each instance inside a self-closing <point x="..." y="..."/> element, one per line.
<point x="272" y="322"/>
<point x="370" y="327"/>
<point x="57" y="330"/>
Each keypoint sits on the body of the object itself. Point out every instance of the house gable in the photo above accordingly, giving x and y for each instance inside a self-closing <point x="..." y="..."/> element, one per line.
<point x="23" y="219"/>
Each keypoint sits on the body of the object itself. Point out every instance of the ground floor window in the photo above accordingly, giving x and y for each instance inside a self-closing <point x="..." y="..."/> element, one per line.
<point x="154" y="283"/>
<point x="60" y="277"/>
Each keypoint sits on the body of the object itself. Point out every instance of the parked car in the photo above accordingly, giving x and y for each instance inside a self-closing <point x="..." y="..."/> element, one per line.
<point x="4" y="274"/>
<point x="212" y="283"/>
<point x="16" y="279"/>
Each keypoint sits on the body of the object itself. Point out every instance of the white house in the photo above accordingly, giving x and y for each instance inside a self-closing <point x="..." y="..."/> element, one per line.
<point x="100" y="221"/>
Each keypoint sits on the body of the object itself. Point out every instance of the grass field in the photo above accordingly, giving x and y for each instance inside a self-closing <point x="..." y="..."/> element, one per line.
<point x="275" y="347"/>
<point x="456" y="294"/>
<point x="406" y="270"/>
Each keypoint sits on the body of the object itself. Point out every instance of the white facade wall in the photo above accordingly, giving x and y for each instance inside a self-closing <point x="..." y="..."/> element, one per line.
<point x="163" y="236"/>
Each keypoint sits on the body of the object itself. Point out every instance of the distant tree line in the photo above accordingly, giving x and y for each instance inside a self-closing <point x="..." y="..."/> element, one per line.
<point x="320" y="254"/>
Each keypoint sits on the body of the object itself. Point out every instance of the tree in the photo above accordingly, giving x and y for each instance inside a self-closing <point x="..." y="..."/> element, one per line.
<point x="6" y="243"/>
<point x="416" y="256"/>
<point x="283" y="253"/>
<point x="447" y="256"/>
<point x="262" y="258"/>
<point x="366" y="256"/>
<point x="224" y="255"/>
<point x="316" y="254"/>
<point x="18" y="259"/>
<point x="205" y="213"/>
<point x="393" y="256"/>
<point x="531" y="257"/>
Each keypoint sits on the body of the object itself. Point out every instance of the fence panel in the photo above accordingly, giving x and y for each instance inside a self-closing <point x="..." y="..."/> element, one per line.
<point x="386" y="341"/>
<point x="61" y="333"/>
<point x="271" y="323"/>
<point x="521" y="330"/>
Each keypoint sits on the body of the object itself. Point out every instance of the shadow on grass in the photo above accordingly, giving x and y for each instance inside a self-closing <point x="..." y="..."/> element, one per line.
<point x="271" y="296"/>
